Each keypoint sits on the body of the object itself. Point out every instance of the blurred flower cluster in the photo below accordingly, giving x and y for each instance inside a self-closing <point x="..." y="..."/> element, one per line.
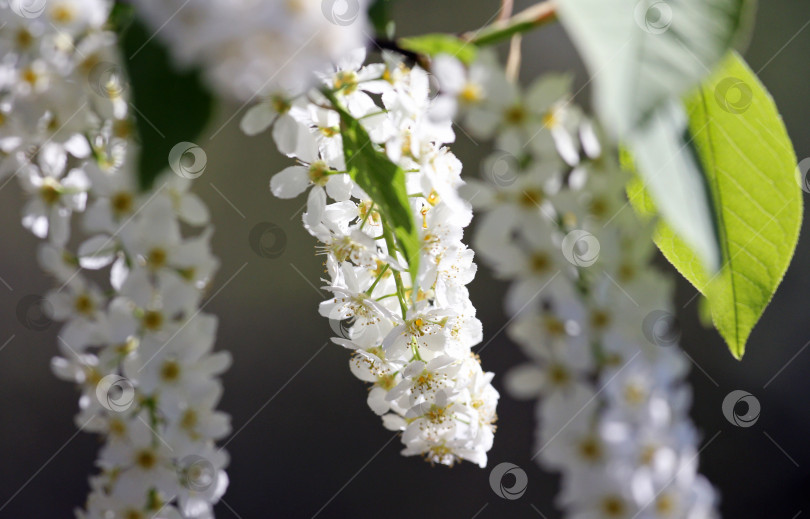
<point x="249" y="48"/>
<point x="134" y="340"/>
<point x="585" y="304"/>
<point x="411" y="338"/>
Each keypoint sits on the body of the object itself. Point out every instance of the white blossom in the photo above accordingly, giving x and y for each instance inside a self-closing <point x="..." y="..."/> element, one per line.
<point x="138" y="348"/>
<point x="612" y="401"/>
<point x="248" y="49"/>
<point x="411" y="338"/>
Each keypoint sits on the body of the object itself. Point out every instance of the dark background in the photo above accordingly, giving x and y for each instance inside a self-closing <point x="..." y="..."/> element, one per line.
<point x="305" y="441"/>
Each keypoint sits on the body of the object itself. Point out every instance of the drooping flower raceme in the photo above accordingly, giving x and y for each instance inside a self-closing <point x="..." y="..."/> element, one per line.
<point x="250" y="48"/>
<point x="410" y="338"/>
<point x="586" y="307"/>
<point x="134" y="340"/>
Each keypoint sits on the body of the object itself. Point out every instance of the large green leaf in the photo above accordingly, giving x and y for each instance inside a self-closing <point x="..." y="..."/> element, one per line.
<point x="170" y="106"/>
<point x="643" y="55"/>
<point x="750" y="167"/>
<point x="672" y="175"/>
<point x="382" y="180"/>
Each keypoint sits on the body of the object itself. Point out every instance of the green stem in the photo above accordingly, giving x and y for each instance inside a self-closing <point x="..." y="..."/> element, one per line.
<point x="415" y="349"/>
<point x="368" y="213"/>
<point x="524" y="21"/>
<point x="379" y="277"/>
<point x="389" y="242"/>
<point x="381" y="112"/>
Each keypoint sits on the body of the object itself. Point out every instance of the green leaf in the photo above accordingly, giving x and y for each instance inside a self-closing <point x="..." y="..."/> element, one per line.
<point x="379" y="14"/>
<point x="673" y="177"/>
<point x="643" y="56"/>
<point x="750" y="167"/>
<point x="645" y="52"/>
<point x="704" y="312"/>
<point x="170" y="106"/>
<point x="433" y="44"/>
<point x="682" y="257"/>
<point x="382" y="180"/>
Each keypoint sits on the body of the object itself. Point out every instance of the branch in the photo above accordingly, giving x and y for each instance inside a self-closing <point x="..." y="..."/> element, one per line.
<point x="506" y="10"/>
<point x="530" y="18"/>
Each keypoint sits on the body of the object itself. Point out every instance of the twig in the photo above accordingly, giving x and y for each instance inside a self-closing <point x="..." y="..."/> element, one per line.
<point x="506" y="10"/>
<point x="530" y="18"/>
<point x="513" y="61"/>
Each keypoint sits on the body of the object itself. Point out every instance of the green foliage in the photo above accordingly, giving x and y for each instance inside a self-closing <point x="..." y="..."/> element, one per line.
<point x="749" y="167"/>
<point x="672" y="176"/>
<point x="433" y="44"/>
<point x="170" y="106"/>
<point x="382" y="180"/>
<point x="643" y="56"/>
<point x="644" y="53"/>
<point x="379" y="14"/>
<point x="501" y="30"/>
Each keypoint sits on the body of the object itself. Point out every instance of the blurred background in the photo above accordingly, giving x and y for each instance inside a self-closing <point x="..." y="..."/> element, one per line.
<point x="304" y="443"/>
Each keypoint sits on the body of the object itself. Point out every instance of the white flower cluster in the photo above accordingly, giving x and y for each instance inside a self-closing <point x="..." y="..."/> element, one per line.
<point x="411" y="338"/>
<point x="585" y="305"/>
<point x="249" y="47"/>
<point x="134" y="339"/>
